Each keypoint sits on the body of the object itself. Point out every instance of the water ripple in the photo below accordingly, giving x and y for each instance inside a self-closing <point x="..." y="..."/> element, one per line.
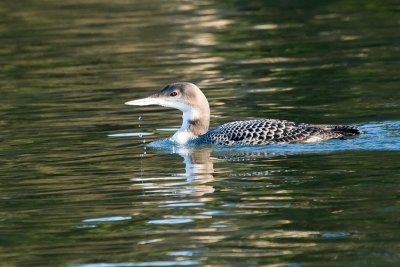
<point x="171" y="221"/>
<point x="139" y="264"/>
<point x="108" y="219"/>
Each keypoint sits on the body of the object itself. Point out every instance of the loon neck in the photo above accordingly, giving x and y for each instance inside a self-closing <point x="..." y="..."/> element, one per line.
<point x="189" y="99"/>
<point x="195" y="122"/>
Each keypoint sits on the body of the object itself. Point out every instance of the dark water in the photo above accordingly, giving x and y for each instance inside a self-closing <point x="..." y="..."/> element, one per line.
<point x="77" y="189"/>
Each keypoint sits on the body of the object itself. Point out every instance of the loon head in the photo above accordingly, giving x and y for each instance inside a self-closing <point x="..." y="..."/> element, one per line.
<point x="189" y="99"/>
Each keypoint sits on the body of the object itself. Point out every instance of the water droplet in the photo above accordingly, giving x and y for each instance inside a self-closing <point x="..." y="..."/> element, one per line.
<point x="139" y="118"/>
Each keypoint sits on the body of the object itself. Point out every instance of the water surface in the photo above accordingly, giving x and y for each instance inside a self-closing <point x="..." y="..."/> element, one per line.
<point x="85" y="182"/>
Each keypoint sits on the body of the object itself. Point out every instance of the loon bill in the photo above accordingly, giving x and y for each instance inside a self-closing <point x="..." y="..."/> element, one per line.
<point x="189" y="99"/>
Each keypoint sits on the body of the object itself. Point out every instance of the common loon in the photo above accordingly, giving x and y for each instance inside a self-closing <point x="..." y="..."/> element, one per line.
<point x="189" y="99"/>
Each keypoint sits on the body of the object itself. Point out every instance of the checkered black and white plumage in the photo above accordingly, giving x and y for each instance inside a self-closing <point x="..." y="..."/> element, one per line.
<point x="270" y="131"/>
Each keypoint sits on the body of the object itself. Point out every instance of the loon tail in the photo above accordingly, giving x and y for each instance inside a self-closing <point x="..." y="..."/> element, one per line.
<point x="344" y="130"/>
<point x="347" y="130"/>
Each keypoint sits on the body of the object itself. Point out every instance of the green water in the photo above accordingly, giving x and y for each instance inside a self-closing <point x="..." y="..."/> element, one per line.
<point x="77" y="188"/>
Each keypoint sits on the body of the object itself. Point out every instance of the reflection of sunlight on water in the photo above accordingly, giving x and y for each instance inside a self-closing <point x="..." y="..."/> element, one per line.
<point x="213" y="22"/>
<point x="137" y="134"/>
<point x="267" y="26"/>
<point x="108" y="219"/>
<point x="270" y="60"/>
<point x="207" y="60"/>
<point x="139" y="264"/>
<point x="185" y="204"/>
<point x="171" y="221"/>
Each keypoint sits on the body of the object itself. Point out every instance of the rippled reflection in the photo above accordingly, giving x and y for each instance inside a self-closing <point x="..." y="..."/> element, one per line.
<point x="194" y="181"/>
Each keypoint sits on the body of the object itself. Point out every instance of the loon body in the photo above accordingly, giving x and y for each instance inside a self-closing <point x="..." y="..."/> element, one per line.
<point x="189" y="99"/>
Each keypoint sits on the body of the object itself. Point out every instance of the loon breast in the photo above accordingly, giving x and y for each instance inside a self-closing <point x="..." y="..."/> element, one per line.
<point x="271" y="131"/>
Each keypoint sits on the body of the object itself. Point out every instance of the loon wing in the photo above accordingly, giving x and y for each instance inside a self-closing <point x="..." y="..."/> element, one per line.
<point x="270" y="131"/>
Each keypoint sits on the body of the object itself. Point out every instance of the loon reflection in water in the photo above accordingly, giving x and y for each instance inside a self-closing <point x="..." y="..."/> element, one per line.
<point x="189" y="99"/>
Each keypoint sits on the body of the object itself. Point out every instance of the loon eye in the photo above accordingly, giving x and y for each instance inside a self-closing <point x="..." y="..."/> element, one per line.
<point x="173" y="94"/>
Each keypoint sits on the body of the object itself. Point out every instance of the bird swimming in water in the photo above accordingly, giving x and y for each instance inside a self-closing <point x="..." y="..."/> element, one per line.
<point x="189" y="99"/>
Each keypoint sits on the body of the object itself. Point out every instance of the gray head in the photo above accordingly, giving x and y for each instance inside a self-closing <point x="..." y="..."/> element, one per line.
<point x="186" y="97"/>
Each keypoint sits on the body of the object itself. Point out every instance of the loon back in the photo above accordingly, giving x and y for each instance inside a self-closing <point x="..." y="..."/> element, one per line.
<point x="189" y="99"/>
<point x="270" y="131"/>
